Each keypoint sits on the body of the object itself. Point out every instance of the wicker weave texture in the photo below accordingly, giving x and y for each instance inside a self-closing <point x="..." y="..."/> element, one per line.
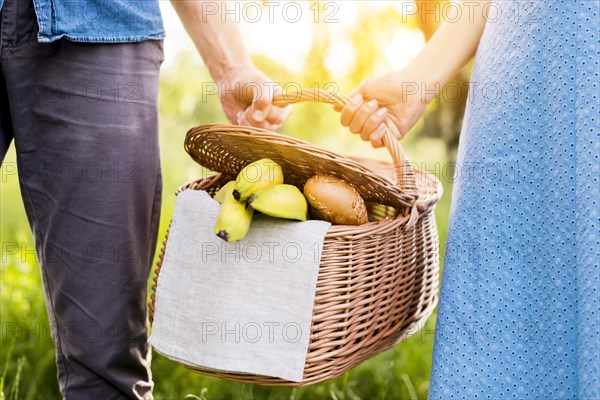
<point x="377" y="282"/>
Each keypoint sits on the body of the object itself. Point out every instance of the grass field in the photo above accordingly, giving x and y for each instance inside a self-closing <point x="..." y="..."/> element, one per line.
<point x="27" y="352"/>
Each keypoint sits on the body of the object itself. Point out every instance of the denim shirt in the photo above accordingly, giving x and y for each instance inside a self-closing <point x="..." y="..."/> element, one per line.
<point x="101" y="21"/>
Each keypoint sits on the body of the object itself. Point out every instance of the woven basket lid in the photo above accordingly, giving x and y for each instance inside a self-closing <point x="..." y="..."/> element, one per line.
<point x="229" y="148"/>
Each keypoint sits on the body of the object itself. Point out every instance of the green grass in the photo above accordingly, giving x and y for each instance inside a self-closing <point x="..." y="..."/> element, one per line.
<point x="27" y="351"/>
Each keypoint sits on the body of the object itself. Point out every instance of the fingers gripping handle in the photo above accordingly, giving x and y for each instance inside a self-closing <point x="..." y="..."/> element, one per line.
<point x="404" y="174"/>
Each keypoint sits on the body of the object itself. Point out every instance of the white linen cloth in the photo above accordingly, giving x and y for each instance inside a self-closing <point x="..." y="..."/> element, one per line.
<point x="241" y="307"/>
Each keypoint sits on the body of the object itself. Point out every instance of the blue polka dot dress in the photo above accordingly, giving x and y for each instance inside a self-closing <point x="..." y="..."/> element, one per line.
<point x="519" y="308"/>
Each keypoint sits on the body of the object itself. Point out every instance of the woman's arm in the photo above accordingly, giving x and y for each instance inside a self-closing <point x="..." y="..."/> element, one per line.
<point x="245" y="91"/>
<point x="451" y="47"/>
<point x="405" y="94"/>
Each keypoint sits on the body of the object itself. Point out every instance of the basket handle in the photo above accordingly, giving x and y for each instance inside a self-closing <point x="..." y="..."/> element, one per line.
<point x="403" y="171"/>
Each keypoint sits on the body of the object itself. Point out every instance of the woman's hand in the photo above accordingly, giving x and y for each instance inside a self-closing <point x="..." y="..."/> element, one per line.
<point x="393" y="94"/>
<point x="246" y="94"/>
<point x="404" y="95"/>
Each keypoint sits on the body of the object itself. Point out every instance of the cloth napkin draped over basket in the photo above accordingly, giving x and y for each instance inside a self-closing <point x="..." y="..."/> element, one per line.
<point x="243" y="307"/>
<point x="377" y="283"/>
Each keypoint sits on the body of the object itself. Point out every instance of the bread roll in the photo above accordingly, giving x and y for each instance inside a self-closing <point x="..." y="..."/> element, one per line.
<point x="331" y="199"/>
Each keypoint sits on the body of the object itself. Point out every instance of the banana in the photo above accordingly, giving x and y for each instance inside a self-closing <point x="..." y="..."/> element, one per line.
<point x="227" y="189"/>
<point x="281" y="201"/>
<point x="234" y="218"/>
<point x="257" y="176"/>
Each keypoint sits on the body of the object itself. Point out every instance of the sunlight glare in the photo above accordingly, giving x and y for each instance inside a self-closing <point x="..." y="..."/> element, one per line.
<point x="340" y="59"/>
<point x="404" y="47"/>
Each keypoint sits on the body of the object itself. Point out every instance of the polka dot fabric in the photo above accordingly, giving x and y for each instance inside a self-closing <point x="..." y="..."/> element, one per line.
<point x="519" y="307"/>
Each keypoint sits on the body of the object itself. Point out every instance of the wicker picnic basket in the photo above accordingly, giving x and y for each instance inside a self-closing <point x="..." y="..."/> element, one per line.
<point x="377" y="282"/>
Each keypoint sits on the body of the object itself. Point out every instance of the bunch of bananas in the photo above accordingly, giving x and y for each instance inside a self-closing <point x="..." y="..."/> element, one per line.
<point x="259" y="186"/>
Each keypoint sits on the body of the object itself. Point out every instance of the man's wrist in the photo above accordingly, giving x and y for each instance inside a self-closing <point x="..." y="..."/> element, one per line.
<point x="227" y="72"/>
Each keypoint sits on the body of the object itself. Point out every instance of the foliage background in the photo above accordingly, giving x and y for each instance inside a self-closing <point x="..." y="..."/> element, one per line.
<point x="400" y="373"/>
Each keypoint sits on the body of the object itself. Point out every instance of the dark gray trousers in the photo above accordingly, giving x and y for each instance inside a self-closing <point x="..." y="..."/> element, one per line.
<point x="84" y="121"/>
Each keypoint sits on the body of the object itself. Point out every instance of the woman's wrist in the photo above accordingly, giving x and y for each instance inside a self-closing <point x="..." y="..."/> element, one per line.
<point x="419" y="84"/>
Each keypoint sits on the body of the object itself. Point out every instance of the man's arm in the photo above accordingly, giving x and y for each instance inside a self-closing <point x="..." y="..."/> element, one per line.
<point x="249" y="91"/>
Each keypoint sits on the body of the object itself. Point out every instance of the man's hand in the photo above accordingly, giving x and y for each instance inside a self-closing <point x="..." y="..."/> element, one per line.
<point x="246" y="94"/>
